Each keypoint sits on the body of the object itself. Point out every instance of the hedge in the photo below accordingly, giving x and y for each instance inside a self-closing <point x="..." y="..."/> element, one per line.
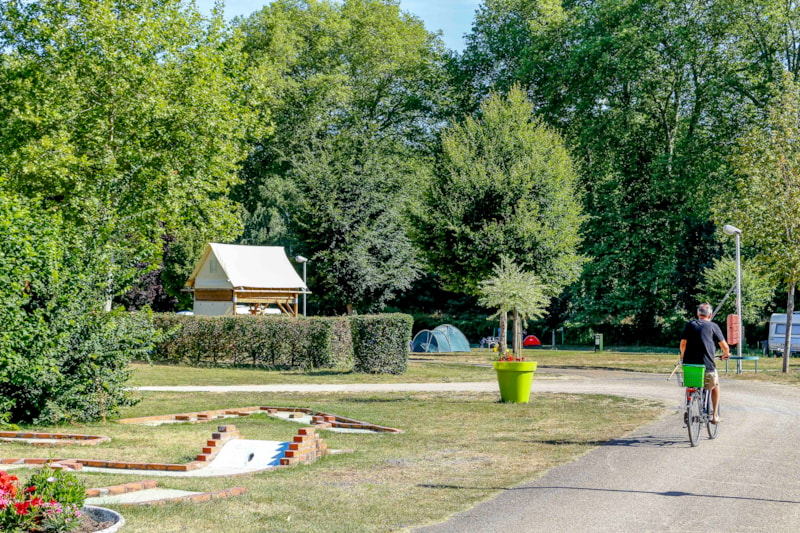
<point x="372" y="343"/>
<point x="274" y="342"/>
<point x="381" y="342"/>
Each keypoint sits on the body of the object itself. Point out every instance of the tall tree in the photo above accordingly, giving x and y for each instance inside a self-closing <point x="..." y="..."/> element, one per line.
<point x="649" y="95"/>
<point x="124" y="116"/>
<point x="767" y="200"/>
<point x="355" y="108"/>
<point x="349" y="214"/>
<point x="505" y="184"/>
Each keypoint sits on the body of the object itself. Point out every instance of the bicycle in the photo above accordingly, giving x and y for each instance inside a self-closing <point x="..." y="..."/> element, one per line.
<point x="698" y="409"/>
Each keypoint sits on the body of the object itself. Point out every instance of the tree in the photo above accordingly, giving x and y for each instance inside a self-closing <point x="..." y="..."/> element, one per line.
<point x="649" y="95"/>
<point x="767" y="197"/>
<point x="504" y="185"/>
<point x="126" y="117"/>
<point x="355" y="98"/>
<point x="512" y="289"/>
<point x="757" y="289"/>
<point x="348" y="217"/>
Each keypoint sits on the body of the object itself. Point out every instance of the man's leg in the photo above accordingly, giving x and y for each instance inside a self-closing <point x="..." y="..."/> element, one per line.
<point x="715" y="397"/>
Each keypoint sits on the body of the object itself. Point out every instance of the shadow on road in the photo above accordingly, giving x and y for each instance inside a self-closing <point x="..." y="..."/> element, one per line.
<point x="646" y="441"/>
<point x="671" y="493"/>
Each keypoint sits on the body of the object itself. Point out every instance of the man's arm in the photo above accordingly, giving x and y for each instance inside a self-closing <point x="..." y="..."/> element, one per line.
<point x="683" y="347"/>
<point x="726" y="350"/>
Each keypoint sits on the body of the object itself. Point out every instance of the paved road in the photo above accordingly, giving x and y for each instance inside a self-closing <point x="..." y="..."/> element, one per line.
<point x="746" y="480"/>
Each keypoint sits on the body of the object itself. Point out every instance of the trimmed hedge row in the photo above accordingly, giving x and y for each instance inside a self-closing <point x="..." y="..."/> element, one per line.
<point x="286" y="342"/>
<point x="381" y="342"/>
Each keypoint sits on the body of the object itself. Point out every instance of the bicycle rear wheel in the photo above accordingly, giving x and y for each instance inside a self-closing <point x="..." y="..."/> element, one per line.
<point x="712" y="428"/>
<point x="695" y="419"/>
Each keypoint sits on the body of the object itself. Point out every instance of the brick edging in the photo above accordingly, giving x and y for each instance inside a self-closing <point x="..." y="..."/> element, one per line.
<point x="125" y="488"/>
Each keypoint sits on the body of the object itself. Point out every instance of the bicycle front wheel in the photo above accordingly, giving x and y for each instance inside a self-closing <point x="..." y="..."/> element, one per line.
<point x="694" y="419"/>
<point x="712" y="428"/>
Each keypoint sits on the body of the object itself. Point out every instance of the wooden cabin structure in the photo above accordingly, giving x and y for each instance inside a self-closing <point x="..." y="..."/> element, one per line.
<point x="231" y="276"/>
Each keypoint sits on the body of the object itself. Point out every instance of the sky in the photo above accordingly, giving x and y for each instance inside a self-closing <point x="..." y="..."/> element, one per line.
<point x="452" y="17"/>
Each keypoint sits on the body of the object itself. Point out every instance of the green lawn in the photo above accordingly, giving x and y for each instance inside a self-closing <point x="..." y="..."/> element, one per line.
<point x="457" y="449"/>
<point x="473" y="366"/>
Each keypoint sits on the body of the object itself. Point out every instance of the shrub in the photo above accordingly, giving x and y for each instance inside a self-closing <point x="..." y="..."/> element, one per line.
<point x="381" y="342"/>
<point x="266" y="341"/>
<point x="62" y="358"/>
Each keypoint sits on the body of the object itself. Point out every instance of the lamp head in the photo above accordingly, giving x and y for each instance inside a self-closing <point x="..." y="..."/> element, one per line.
<point x="301" y="259"/>
<point x="727" y="229"/>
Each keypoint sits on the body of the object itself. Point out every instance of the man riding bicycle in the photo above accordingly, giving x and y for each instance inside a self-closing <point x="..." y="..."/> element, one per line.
<point x="698" y="345"/>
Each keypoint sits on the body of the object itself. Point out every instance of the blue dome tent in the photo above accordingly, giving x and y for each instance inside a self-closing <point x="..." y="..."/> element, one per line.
<point x="458" y="341"/>
<point x="443" y="339"/>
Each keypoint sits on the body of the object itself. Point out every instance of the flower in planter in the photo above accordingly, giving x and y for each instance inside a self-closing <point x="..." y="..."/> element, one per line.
<point x="49" y="503"/>
<point x="510" y="357"/>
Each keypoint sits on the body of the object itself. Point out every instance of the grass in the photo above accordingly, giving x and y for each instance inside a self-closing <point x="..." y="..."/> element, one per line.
<point x="457" y="450"/>
<point x="144" y="374"/>
<point x="473" y="366"/>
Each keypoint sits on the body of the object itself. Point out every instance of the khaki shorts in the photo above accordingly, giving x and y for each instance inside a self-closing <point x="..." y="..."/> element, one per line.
<point x="711" y="380"/>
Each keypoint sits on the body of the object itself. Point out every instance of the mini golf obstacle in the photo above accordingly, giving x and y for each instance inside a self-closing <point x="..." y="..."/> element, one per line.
<point x="300" y="415"/>
<point x="51" y="439"/>
<point x="225" y="454"/>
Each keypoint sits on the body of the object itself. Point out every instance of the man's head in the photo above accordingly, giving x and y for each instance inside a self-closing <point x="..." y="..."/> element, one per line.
<point x="704" y="311"/>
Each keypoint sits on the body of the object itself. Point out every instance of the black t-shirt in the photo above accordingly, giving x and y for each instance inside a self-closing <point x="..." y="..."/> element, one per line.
<point x="702" y="338"/>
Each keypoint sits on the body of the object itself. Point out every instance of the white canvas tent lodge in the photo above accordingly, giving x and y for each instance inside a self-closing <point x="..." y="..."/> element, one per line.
<point x="228" y="275"/>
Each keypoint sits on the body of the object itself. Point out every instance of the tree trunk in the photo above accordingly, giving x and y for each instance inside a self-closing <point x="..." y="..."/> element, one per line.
<point x="503" y="344"/>
<point x="349" y="309"/>
<point x="517" y="335"/>
<point x="787" y="345"/>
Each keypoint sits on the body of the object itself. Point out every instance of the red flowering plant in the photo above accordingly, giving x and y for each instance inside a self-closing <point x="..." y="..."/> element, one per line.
<point x="510" y="357"/>
<point x="49" y="503"/>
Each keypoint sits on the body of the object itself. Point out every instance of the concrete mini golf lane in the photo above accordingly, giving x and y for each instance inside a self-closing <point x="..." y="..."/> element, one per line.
<point x="748" y="479"/>
<point x="238" y="456"/>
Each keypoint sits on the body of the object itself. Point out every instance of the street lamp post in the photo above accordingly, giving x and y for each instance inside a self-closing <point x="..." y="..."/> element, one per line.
<point x="304" y="261"/>
<point x="732" y="230"/>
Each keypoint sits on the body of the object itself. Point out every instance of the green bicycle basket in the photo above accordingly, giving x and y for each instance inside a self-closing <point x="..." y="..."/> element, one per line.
<point x="693" y="375"/>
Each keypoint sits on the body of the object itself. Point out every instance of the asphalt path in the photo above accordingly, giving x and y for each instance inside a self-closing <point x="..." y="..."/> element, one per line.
<point x="747" y="480"/>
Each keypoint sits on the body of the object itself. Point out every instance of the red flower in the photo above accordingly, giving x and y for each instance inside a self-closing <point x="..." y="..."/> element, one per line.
<point x="30" y="489"/>
<point x="22" y="507"/>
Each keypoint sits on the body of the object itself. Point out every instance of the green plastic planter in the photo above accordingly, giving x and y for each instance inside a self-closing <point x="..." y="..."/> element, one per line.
<point x="515" y="379"/>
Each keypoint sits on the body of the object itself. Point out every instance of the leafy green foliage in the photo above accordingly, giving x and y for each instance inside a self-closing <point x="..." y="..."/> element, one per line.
<point x="513" y="290"/>
<point x="368" y="343"/>
<point x="381" y="342"/>
<point x="757" y="289"/>
<point x="61" y="357"/>
<point x="127" y="117"/>
<point x="59" y="485"/>
<point x="505" y="185"/>
<point x="274" y="342"/>
<point x="349" y="218"/>
<point x="767" y="197"/>
<point x="357" y="87"/>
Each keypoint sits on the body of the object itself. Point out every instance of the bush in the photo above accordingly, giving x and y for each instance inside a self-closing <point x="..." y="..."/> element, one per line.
<point x="381" y="342"/>
<point x="258" y="341"/>
<point x="62" y="358"/>
<point x="373" y="343"/>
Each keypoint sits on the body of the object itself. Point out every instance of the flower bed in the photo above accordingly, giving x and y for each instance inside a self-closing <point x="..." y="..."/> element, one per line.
<point x="49" y="502"/>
